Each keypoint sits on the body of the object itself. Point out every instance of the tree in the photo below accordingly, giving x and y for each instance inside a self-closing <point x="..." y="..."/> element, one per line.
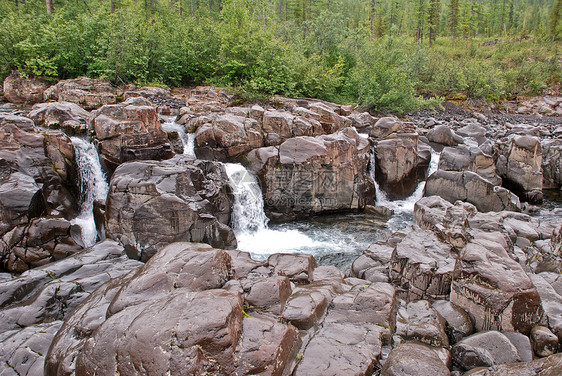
<point x="433" y="19"/>
<point x="555" y="19"/>
<point x="454" y="18"/>
<point x="49" y="4"/>
<point x="420" y="12"/>
<point x="372" y="17"/>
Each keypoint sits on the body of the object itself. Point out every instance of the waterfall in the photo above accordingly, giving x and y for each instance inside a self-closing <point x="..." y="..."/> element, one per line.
<point x="188" y="139"/>
<point x="406" y="205"/>
<point x="248" y="215"/>
<point x="93" y="187"/>
<point x="249" y="221"/>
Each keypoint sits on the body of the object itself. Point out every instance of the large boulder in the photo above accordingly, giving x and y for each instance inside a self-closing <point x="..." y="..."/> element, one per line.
<point x="306" y="175"/>
<point x="470" y="187"/>
<point x="417" y="321"/>
<point x="444" y="135"/>
<point x="152" y="204"/>
<point x="422" y="266"/>
<point x="18" y="89"/>
<point x="174" y="303"/>
<point x="493" y="288"/>
<point x="70" y="117"/>
<point x="414" y="359"/>
<point x="521" y="166"/>
<point x="484" y="350"/>
<point x="226" y="137"/>
<point x="87" y="92"/>
<point x="400" y="165"/>
<point x="469" y="158"/>
<point x="129" y="131"/>
<point x="550" y="366"/>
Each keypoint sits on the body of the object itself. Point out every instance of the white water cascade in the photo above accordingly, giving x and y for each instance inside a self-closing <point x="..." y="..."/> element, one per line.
<point x="249" y="221"/>
<point x="406" y="205"/>
<point x="188" y="139"/>
<point x="93" y="187"/>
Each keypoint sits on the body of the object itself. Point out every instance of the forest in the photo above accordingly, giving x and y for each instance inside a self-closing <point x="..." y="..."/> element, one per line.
<point x="386" y="55"/>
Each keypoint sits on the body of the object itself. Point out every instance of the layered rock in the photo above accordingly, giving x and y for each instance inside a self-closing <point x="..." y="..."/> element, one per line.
<point x="422" y="266"/>
<point x="470" y="187"/>
<point x="227" y="137"/>
<point x="307" y="175"/>
<point x="400" y="165"/>
<point x="86" y="92"/>
<point x="70" y="117"/>
<point x="493" y="288"/>
<point x="552" y="163"/>
<point x="469" y="158"/>
<point x="18" y="89"/>
<point x="152" y="204"/>
<point x="129" y="131"/>
<point x="521" y="165"/>
<point x="37" y="176"/>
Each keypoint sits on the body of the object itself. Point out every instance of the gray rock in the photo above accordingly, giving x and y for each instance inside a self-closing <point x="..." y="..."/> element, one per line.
<point x="545" y="343"/>
<point x="414" y="359"/>
<point x="459" y="323"/>
<point x="152" y="204"/>
<point x="550" y="366"/>
<point x="444" y="135"/>
<point x="551" y="302"/>
<point x="552" y="163"/>
<point x="484" y="349"/>
<point x="469" y="158"/>
<point x="422" y="266"/>
<point x="417" y="321"/>
<point x="87" y="92"/>
<point x="470" y="187"/>
<point x="67" y="116"/>
<point x="522" y="343"/>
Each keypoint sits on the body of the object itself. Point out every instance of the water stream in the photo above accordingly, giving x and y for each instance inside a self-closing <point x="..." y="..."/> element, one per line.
<point x="188" y="139"/>
<point x="93" y="187"/>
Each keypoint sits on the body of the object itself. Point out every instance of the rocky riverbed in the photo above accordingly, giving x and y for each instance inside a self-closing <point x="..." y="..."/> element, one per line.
<point x="461" y="275"/>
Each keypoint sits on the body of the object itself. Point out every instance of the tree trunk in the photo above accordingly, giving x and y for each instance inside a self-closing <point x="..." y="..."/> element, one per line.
<point x="372" y="16"/>
<point x="49" y="4"/>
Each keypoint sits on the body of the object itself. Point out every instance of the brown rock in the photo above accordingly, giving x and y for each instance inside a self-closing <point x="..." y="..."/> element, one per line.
<point x="544" y="342"/>
<point x="299" y="268"/>
<point x="24" y="90"/>
<point x="86" y="92"/>
<point x="414" y="359"/>
<point x="70" y="117"/>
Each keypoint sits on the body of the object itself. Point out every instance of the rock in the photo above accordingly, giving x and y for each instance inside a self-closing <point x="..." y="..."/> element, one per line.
<point x="306" y="175"/>
<point x="129" y="131"/>
<point x="267" y="347"/>
<point x="550" y="366"/>
<point x="24" y="90"/>
<point x="53" y="291"/>
<point x="362" y="121"/>
<point x="41" y="241"/>
<point x="386" y="126"/>
<point x="417" y="321"/>
<point x="399" y="165"/>
<point x="308" y="304"/>
<point x="485" y="349"/>
<point x="545" y="343"/>
<point x="270" y="294"/>
<point x="522" y="343"/>
<point x="23" y="351"/>
<point x="298" y="268"/>
<point x="331" y="121"/>
<point x="459" y="323"/>
<point x="379" y="211"/>
<point x="522" y="167"/>
<point x="205" y="99"/>
<point x="493" y="288"/>
<point x="227" y="137"/>
<point x="474" y="131"/>
<point x="152" y="204"/>
<point x="470" y="187"/>
<point x="147" y="92"/>
<point x="351" y="338"/>
<point x="552" y="163"/>
<point x="469" y="158"/>
<point x="373" y="264"/>
<point x="86" y="92"/>
<point x="443" y="135"/>
<point x="551" y="302"/>
<point x="422" y="267"/>
<point x="69" y="117"/>
<point x="414" y="359"/>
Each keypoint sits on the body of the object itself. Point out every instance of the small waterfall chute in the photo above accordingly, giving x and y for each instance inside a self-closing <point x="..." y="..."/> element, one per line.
<point x="249" y="221"/>
<point x="406" y="205"/>
<point x="93" y="187"/>
<point x="187" y="139"/>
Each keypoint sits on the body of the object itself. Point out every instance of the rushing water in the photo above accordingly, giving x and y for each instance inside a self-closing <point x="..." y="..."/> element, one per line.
<point x="188" y="139"/>
<point x="93" y="187"/>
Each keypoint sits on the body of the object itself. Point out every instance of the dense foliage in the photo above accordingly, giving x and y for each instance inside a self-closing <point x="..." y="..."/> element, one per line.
<point x="382" y="54"/>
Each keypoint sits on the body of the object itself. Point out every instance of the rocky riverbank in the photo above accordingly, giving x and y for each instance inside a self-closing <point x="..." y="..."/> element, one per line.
<point x="472" y="286"/>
